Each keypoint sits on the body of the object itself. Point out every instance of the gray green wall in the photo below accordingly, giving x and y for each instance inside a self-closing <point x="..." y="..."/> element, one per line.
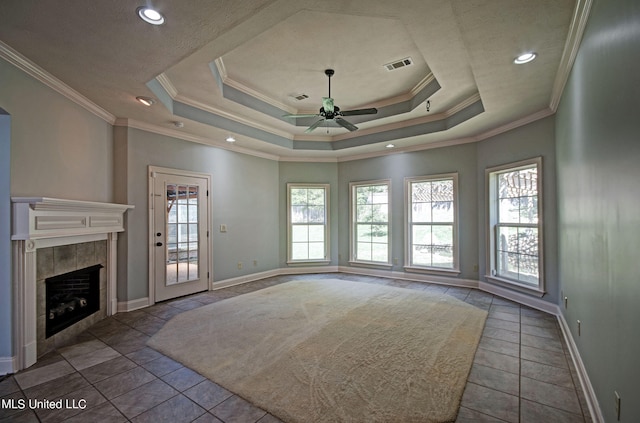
<point x="533" y="140"/>
<point x="461" y="159"/>
<point x="598" y="146"/>
<point x="6" y="317"/>
<point x="56" y="149"/>
<point x="244" y="196"/>
<point x="309" y="173"/>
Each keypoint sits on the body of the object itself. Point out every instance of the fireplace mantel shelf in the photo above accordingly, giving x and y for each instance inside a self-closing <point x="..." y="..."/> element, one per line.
<point x="44" y="217"/>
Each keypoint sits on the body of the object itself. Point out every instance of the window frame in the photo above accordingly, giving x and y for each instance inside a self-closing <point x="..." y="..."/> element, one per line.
<point x="492" y="225"/>
<point x="326" y="224"/>
<point x="408" y="225"/>
<point x="353" y="259"/>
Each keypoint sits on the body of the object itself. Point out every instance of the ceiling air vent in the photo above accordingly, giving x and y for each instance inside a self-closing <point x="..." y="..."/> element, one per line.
<point x="399" y="64"/>
<point x="300" y="97"/>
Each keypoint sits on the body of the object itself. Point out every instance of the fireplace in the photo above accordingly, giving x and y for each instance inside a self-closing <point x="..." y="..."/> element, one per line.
<point x="71" y="297"/>
<point x="53" y="240"/>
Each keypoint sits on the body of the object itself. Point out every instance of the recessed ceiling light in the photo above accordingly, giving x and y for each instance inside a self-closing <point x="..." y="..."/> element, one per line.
<point x="390" y="146"/>
<point x="524" y="58"/>
<point x="230" y="139"/>
<point x="147" y="101"/>
<point x="150" y="15"/>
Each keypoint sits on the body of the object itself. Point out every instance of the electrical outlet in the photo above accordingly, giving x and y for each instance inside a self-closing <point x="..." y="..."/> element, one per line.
<point x="579" y="324"/>
<point x="239" y="265"/>
<point x="255" y="262"/>
<point x="617" y="401"/>
<point x="395" y="261"/>
<point x="223" y="228"/>
<point x="475" y="268"/>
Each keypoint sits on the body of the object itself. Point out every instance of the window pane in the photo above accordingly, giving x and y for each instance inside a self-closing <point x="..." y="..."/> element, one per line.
<point x="299" y="214"/>
<point x="442" y="235"/>
<point x="443" y="256"/>
<point x="421" y="234"/>
<point x="193" y="213"/>
<point x="193" y="232"/>
<point x="528" y="241"/>
<point x="528" y="267"/>
<point x="316" y="214"/>
<point x="442" y="211"/>
<point x="316" y="250"/>
<point x="508" y="185"/>
<point x="363" y="233"/>
<point x="316" y="196"/>
<point x="299" y="233"/>
<point x="379" y="194"/>
<point x="379" y="213"/>
<point x="420" y="192"/>
<point x="508" y="239"/>
<point x="442" y="190"/>
<point x="529" y="209"/>
<point x="298" y="196"/>
<point x="316" y="233"/>
<point x="509" y="210"/>
<point x="379" y="252"/>
<point x="379" y="233"/>
<point x="421" y="255"/>
<point x="364" y="213"/>
<point x="363" y="251"/>
<point x="363" y="195"/>
<point x="421" y="212"/>
<point x="299" y="251"/>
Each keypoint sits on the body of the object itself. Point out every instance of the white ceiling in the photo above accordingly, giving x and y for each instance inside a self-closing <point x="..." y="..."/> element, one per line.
<point x="231" y="67"/>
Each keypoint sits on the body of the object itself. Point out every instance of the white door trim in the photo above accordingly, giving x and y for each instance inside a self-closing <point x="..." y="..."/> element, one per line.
<point x="152" y="170"/>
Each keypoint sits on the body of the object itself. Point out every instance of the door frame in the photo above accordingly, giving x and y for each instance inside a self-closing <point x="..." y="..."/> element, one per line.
<point x="152" y="171"/>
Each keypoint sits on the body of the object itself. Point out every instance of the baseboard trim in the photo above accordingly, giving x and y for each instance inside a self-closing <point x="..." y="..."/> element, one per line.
<point x="587" y="388"/>
<point x="8" y="365"/>
<point x="520" y="298"/>
<point x="409" y="276"/>
<point x="125" y="306"/>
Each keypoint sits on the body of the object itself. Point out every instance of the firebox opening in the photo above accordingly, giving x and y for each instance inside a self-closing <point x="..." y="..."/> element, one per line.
<point x="71" y="297"/>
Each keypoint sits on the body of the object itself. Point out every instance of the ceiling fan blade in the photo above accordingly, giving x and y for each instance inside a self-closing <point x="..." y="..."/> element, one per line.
<point x="327" y="104"/>
<point x="371" y="111"/>
<point x="346" y="124"/>
<point x="308" y="115"/>
<point x="314" y="126"/>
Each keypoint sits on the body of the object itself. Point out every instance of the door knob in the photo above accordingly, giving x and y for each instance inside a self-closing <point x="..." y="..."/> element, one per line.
<point x="158" y="244"/>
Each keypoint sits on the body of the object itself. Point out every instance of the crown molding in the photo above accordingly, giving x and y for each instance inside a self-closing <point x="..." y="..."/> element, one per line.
<point x="456" y="141"/>
<point x="226" y="80"/>
<point x="168" y="86"/>
<point x="576" y="30"/>
<point x="156" y="129"/>
<point x="39" y="74"/>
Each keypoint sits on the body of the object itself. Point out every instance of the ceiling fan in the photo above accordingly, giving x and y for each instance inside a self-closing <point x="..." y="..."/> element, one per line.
<point x="329" y="111"/>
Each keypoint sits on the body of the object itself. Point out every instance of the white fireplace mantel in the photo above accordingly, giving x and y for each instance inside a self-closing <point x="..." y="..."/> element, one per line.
<point x="40" y="222"/>
<point x="42" y="217"/>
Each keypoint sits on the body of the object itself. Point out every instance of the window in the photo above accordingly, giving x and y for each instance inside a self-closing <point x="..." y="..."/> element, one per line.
<point x="370" y="232"/>
<point x="515" y="224"/>
<point x="308" y="207"/>
<point x="432" y="233"/>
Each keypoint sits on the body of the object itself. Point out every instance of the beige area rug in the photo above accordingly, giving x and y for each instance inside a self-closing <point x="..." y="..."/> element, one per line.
<point x="333" y="350"/>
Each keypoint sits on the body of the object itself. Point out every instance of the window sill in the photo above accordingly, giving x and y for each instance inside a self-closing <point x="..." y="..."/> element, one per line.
<point x="309" y="263"/>
<point x="373" y="265"/>
<point x="432" y="270"/>
<point x="506" y="283"/>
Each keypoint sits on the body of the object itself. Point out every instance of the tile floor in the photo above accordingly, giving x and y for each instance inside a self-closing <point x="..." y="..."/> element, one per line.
<point x="522" y="370"/>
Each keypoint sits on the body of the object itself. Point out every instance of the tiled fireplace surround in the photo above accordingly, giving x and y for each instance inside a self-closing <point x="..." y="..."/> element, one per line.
<point x="54" y="261"/>
<point x="52" y="237"/>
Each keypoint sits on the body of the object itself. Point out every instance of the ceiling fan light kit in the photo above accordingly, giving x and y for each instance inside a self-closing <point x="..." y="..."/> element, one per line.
<point x="329" y="111"/>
